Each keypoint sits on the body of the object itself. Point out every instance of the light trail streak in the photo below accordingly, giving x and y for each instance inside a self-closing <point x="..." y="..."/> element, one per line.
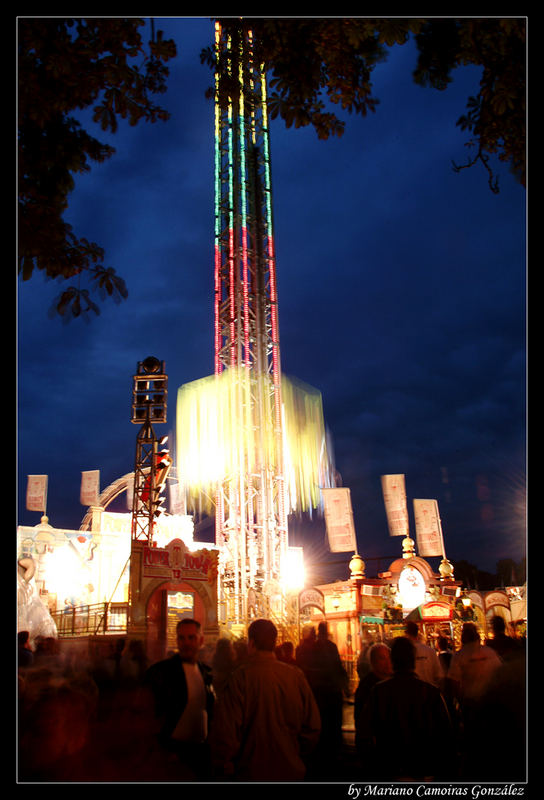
<point x="214" y="438"/>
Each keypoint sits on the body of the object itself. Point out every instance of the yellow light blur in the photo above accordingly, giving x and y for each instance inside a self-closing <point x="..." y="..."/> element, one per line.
<point x="292" y="572"/>
<point x="221" y="433"/>
<point x="64" y="572"/>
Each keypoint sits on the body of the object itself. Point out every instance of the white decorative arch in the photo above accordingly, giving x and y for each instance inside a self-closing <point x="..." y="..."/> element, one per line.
<point x="108" y="496"/>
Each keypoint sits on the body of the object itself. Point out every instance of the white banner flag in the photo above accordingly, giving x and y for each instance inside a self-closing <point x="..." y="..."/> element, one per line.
<point x="90" y="487"/>
<point x="177" y="505"/>
<point x="339" y="520"/>
<point x="394" y="495"/>
<point x="428" y="528"/>
<point x="36" y="493"/>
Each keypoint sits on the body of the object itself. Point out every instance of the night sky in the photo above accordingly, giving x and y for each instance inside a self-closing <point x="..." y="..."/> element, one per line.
<point x="401" y="298"/>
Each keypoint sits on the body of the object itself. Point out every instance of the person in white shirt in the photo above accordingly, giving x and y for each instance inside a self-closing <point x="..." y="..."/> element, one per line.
<point x="471" y="671"/>
<point x="182" y="690"/>
<point x="473" y="666"/>
<point x="427" y="662"/>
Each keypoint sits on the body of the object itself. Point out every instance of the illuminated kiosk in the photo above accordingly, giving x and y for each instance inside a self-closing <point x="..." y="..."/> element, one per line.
<point x="364" y="609"/>
<point x="237" y="459"/>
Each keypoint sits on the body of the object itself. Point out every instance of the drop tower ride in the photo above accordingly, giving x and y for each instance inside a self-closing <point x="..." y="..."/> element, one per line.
<point x="269" y="455"/>
<point x="246" y="321"/>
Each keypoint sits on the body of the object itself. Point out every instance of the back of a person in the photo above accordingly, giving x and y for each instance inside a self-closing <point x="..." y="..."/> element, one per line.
<point x="428" y="666"/>
<point x="274" y="715"/>
<point x="505" y="647"/>
<point x="266" y="721"/>
<point x="405" y="727"/>
<point x="473" y="667"/>
<point x="408" y="705"/>
<point x="330" y="679"/>
<point x="415" y="710"/>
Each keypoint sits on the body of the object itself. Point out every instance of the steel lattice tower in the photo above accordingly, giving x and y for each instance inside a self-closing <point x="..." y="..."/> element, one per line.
<point x="251" y="513"/>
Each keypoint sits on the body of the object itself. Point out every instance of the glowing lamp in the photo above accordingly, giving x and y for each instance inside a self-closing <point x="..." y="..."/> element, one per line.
<point x="411" y="587"/>
<point x="292" y="574"/>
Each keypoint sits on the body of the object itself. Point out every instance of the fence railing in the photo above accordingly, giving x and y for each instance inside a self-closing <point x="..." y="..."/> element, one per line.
<point x="93" y="619"/>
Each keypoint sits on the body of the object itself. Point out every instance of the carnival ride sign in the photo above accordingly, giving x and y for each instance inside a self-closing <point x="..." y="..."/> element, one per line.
<point x="436" y="612"/>
<point x="311" y="598"/>
<point x="496" y="599"/>
<point x="176" y="562"/>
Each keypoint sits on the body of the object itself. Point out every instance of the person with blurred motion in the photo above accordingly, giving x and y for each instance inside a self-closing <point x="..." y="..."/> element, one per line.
<point x="444" y="654"/>
<point x="133" y="662"/>
<point x="379" y="659"/>
<point x="471" y="670"/>
<point x="25" y="656"/>
<point x="427" y="663"/>
<point x="447" y="686"/>
<point x="223" y="663"/>
<point x="266" y="721"/>
<point x="405" y="729"/>
<point x="184" y="699"/>
<point x="473" y="666"/>
<point x="304" y="651"/>
<point x="363" y="663"/>
<point x="503" y="707"/>
<point x="286" y="652"/>
<point x="505" y="647"/>
<point x="329" y="682"/>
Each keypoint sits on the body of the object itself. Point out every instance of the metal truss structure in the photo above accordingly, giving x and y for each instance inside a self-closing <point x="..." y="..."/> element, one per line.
<point x="251" y="513"/>
<point x="149" y="400"/>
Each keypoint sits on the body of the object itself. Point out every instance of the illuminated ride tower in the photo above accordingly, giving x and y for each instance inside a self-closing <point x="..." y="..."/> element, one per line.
<point x="251" y="512"/>
<point x="268" y="455"/>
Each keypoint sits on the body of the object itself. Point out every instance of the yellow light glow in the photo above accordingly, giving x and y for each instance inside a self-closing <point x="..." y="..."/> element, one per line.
<point x="411" y="588"/>
<point x="64" y="573"/>
<point x="221" y="433"/>
<point x="292" y="573"/>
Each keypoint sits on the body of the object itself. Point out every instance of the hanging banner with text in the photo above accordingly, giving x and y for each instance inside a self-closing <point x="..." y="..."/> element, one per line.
<point x="396" y="510"/>
<point x="177" y="504"/>
<point x="90" y="487"/>
<point x="311" y="598"/>
<point x="428" y="528"/>
<point x="36" y="493"/>
<point x="339" y="520"/>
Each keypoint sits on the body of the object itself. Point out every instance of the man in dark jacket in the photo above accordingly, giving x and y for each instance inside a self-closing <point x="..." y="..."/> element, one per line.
<point x="405" y="724"/>
<point x="505" y="647"/>
<point x="183" y="696"/>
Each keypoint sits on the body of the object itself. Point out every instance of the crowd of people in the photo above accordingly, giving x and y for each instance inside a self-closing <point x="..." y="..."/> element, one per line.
<point x="445" y="707"/>
<point x="262" y="710"/>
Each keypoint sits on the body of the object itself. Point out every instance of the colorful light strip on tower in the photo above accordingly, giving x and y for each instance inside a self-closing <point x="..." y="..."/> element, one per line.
<point x="231" y="251"/>
<point x="243" y="197"/>
<point x="246" y="454"/>
<point x="217" y="231"/>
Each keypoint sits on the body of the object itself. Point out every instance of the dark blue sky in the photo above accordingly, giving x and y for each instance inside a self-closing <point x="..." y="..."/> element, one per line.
<point x="401" y="295"/>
